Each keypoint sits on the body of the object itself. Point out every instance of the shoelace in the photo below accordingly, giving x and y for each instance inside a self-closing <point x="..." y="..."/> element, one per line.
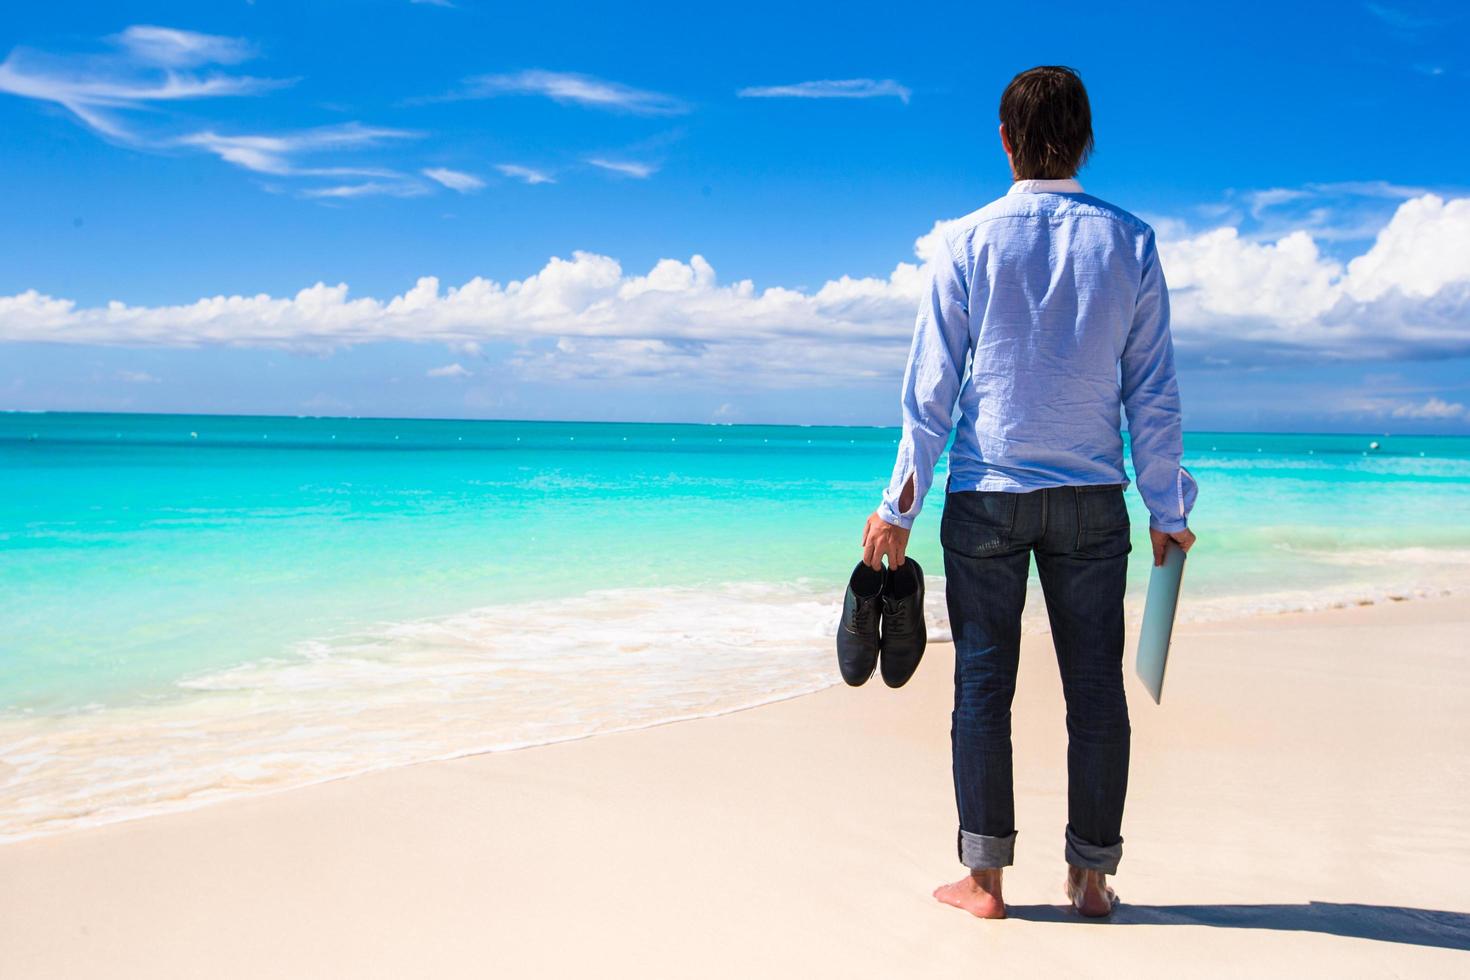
<point x="896" y="618"/>
<point x="862" y="617"/>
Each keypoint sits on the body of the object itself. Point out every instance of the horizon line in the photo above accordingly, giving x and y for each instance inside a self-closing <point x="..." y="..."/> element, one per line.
<point x="801" y="425"/>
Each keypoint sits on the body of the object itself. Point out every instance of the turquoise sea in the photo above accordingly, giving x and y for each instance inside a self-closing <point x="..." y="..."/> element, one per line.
<point x="196" y="607"/>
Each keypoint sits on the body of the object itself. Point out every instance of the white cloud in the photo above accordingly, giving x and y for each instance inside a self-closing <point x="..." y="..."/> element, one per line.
<point x="845" y="88"/>
<point x="455" y="370"/>
<point x="628" y="168"/>
<point x="1407" y="295"/>
<point x="576" y="317"/>
<point x="173" y="48"/>
<point x="273" y="153"/>
<point x="1433" y="408"/>
<point x="137" y="377"/>
<point x="586" y="317"/>
<point x="110" y="94"/>
<point x="572" y="88"/>
<point x="98" y="90"/>
<point x="455" y="180"/>
<point x="1401" y="21"/>
<point x="1424" y="248"/>
<point x="1259" y="201"/>
<point x="368" y="188"/>
<point x="448" y="4"/>
<point x="528" y="174"/>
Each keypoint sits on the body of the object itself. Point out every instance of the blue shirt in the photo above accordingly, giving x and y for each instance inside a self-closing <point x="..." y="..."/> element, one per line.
<point x="1056" y="302"/>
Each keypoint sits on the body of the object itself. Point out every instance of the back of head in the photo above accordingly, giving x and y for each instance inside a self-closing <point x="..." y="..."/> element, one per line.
<point x="1048" y="123"/>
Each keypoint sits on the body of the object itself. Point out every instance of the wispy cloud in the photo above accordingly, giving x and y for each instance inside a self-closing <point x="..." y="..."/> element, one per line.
<point x="97" y="90"/>
<point x="455" y="370"/>
<point x="448" y="4"/>
<point x="571" y="88"/>
<point x="1333" y="212"/>
<point x="1369" y="188"/>
<point x="1259" y="201"/>
<point x="628" y="168"/>
<point x="528" y="174"/>
<point x="152" y="66"/>
<point x="455" y="180"/>
<point x="846" y="88"/>
<point x="1399" y="19"/>
<point x="274" y="153"/>
<point x="368" y="188"/>
<point x="172" y="48"/>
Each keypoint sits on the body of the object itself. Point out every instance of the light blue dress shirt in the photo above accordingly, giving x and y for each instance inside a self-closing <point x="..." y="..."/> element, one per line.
<point x="1056" y="302"/>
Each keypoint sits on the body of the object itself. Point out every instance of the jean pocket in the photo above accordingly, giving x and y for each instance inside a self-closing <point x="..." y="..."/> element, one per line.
<point x="1102" y="509"/>
<point x="977" y="523"/>
<point x="1103" y="528"/>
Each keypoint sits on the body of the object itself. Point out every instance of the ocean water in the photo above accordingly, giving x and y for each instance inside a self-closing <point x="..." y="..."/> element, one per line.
<point x="198" y="607"/>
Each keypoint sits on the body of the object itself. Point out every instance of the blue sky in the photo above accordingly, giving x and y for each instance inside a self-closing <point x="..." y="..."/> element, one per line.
<point x="672" y="212"/>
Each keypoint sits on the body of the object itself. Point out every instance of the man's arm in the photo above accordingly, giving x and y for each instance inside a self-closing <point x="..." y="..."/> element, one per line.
<point x="1151" y="399"/>
<point x="931" y="383"/>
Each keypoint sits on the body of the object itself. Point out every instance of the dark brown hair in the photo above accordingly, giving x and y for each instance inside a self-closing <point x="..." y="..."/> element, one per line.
<point x="1048" y="122"/>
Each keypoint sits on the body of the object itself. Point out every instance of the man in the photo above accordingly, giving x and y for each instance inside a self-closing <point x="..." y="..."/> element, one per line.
<point x="1057" y="301"/>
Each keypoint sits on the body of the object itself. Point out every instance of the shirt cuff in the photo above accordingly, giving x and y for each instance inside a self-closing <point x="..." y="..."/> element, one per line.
<point x="891" y="516"/>
<point x="1169" y="527"/>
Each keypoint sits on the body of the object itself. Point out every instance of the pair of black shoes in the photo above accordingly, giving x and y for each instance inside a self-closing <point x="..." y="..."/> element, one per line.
<point x="883" y="613"/>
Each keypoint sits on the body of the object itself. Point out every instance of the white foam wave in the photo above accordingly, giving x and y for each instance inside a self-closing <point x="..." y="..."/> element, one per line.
<point x="491" y="679"/>
<point x="496" y="678"/>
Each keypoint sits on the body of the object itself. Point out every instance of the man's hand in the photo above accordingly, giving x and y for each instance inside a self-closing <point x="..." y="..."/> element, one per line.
<point x="1184" y="539"/>
<point x="881" y="538"/>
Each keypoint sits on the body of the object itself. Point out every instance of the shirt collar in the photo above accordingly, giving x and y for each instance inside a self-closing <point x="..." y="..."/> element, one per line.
<point x="1066" y="186"/>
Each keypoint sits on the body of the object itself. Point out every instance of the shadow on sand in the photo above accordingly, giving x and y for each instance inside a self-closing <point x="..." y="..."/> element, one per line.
<point x="1385" y="923"/>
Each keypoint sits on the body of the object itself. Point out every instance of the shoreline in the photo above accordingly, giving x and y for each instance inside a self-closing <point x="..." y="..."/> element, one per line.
<point x="212" y="797"/>
<point x="819" y="824"/>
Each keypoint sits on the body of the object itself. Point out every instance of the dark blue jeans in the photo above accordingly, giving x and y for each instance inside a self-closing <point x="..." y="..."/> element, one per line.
<point x="1080" y="538"/>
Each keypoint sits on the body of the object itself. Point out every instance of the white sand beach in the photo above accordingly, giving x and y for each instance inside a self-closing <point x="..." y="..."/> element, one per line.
<point x="1299" y="806"/>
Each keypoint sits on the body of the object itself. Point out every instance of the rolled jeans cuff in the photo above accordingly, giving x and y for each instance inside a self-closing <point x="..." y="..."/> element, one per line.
<point x="978" y="852"/>
<point x="1093" y="857"/>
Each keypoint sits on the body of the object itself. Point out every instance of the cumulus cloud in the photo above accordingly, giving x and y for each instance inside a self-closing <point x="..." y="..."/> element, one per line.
<point x="528" y="174"/>
<point x="455" y="180"/>
<point x="1408" y="295"/>
<point x="571" y="88"/>
<point x="628" y="168"/>
<point x="576" y="317"/>
<point x="586" y="317"/>
<point x="845" y="88"/>
<point x="455" y="370"/>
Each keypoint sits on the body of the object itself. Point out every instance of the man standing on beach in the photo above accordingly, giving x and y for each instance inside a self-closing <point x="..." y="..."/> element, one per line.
<point x="1057" y="302"/>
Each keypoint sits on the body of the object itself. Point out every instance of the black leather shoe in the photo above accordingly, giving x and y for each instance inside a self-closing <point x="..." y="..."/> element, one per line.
<point x="857" y="634"/>
<point x="904" y="634"/>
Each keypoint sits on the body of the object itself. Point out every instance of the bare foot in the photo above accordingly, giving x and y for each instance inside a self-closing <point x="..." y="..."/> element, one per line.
<point x="1089" y="892"/>
<point x="977" y="893"/>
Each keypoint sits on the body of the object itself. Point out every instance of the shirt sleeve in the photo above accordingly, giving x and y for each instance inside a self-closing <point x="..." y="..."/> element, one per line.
<point x="931" y="383"/>
<point x="1151" y="399"/>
